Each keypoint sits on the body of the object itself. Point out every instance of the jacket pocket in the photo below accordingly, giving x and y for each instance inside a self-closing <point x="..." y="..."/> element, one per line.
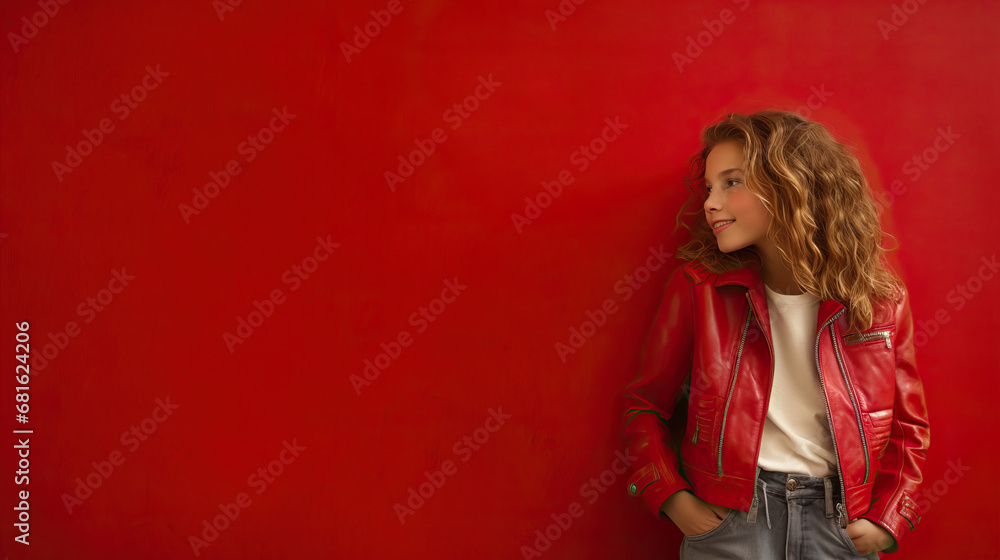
<point x="704" y="421"/>
<point x="879" y="335"/>
<point x="642" y="478"/>
<point x="879" y="424"/>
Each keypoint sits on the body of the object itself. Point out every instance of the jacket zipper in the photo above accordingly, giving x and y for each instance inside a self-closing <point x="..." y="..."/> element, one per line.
<point x="756" y="472"/>
<point x="854" y="402"/>
<point x="858" y="338"/>
<point x="732" y="385"/>
<point x="826" y="404"/>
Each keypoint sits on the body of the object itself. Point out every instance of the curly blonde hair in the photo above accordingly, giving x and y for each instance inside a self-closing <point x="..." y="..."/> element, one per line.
<point x="825" y="222"/>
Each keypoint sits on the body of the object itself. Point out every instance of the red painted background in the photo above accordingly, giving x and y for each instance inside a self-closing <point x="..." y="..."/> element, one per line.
<point x="108" y="358"/>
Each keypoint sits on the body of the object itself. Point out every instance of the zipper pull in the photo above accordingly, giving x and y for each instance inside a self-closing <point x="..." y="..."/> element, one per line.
<point x="694" y="438"/>
<point x="752" y="514"/>
<point x="888" y="342"/>
<point x="842" y="515"/>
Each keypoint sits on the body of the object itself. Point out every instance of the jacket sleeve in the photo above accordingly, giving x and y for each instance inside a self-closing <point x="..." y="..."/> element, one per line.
<point x="651" y="398"/>
<point x="898" y="480"/>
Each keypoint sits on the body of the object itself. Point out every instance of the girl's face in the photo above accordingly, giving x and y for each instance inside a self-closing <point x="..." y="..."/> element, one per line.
<point x="730" y="202"/>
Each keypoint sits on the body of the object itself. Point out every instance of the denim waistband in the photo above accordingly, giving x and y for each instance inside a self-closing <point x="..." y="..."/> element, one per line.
<point x="793" y="487"/>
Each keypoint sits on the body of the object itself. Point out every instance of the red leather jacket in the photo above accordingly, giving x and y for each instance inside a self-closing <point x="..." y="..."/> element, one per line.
<point x="712" y="339"/>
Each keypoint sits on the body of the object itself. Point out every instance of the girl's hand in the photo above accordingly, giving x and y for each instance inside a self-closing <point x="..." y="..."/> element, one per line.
<point x="869" y="537"/>
<point x="692" y="515"/>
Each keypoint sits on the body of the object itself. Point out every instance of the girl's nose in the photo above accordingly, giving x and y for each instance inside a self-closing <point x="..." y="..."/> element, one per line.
<point x="712" y="203"/>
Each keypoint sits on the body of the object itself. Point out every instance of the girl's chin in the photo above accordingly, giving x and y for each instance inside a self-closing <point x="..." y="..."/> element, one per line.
<point x="730" y="248"/>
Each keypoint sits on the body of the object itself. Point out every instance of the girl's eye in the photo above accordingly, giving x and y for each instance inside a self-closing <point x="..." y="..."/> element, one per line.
<point x="729" y="183"/>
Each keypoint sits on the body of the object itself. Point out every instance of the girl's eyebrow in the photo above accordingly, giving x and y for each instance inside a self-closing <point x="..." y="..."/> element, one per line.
<point x="726" y="172"/>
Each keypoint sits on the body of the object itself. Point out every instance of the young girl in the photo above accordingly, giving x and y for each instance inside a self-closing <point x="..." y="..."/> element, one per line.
<point x="792" y="346"/>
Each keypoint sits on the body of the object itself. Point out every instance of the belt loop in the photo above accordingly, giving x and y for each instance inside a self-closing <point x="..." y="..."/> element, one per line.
<point x="767" y="512"/>
<point x="828" y="488"/>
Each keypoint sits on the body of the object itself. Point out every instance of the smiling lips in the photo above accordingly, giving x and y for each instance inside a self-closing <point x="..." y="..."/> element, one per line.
<point x="720" y="225"/>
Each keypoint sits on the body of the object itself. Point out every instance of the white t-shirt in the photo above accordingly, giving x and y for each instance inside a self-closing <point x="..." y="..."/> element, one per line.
<point x="796" y="435"/>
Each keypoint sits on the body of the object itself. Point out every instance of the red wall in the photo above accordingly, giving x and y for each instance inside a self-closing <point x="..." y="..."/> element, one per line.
<point x="390" y="251"/>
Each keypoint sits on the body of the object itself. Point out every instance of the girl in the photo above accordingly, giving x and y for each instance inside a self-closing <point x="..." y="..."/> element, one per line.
<point x="791" y="344"/>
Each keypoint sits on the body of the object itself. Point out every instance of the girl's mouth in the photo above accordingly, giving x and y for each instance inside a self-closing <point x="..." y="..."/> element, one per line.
<point x="719" y="226"/>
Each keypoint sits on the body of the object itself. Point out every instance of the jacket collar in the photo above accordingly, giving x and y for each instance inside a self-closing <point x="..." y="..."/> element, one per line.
<point x="749" y="277"/>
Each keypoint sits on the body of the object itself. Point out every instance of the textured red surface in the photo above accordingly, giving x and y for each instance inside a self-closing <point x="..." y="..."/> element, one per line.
<point x="887" y="92"/>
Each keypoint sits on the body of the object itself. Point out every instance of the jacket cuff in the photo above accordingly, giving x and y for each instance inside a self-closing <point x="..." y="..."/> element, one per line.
<point x="900" y="519"/>
<point x="654" y="486"/>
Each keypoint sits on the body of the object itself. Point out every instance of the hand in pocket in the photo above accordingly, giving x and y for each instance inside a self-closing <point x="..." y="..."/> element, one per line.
<point x="692" y="515"/>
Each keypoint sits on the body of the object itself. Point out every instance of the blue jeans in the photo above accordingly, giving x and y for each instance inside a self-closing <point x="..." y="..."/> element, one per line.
<point x="794" y="517"/>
